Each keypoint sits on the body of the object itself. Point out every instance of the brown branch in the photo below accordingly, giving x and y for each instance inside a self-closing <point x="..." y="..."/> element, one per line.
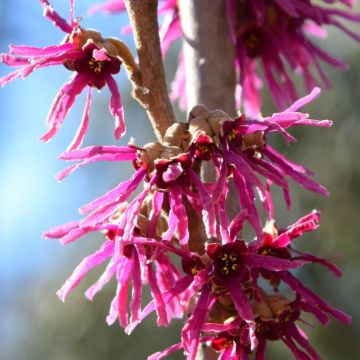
<point x="149" y="87"/>
<point x="209" y="55"/>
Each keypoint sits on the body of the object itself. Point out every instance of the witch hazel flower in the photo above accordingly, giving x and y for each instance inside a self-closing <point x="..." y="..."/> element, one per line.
<point x="233" y="313"/>
<point x="137" y="260"/>
<point x="169" y="32"/>
<point x="275" y="34"/>
<point x="276" y="319"/>
<point x="278" y="243"/>
<point x="166" y="170"/>
<point x="220" y="277"/>
<point x="93" y="61"/>
<point x="238" y="149"/>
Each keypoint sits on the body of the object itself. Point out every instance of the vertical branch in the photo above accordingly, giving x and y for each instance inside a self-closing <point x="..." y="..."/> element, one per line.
<point x="209" y="55"/>
<point x="149" y="87"/>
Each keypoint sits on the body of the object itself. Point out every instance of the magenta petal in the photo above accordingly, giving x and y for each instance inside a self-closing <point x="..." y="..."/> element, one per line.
<point x="157" y="203"/>
<point x="318" y="313"/>
<point x="304" y="100"/>
<point x="179" y="287"/>
<point x="191" y="331"/>
<point x="315" y="259"/>
<point x="103" y="280"/>
<point x="237" y="224"/>
<point x="172" y="172"/>
<point x="135" y="306"/>
<point x="248" y="203"/>
<point x="79" y="137"/>
<point x="261" y="350"/>
<point x="162" y="354"/>
<point x="76" y="233"/>
<point x="119" y="194"/>
<point x="118" y="307"/>
<point x="179" y="214"/>
<point x="58" y="232"/>
<point x="311" y="297"/>
<point x="134" y="207"/>
<point x="33" y="52"/>
<point x="63" y="102"/>
<point x="84" y="267"/>
<point x="272" y="263"/>
<point x="116" y="108"/>
<point x="294" y="231"/>
<point x="103" y="157"/>
<point x="124" y="152"/>
<point x="208" y="211"/>
<point x="110" y="6"/>
<point x="10" y="60"/>
<point x="172" y="226"/>
<point x="123" y="279"/>
<point x="299" y="355"/>
<point x="52" y="15"/>
<point x="300" y="178"/>
<point x="170" y="31"/>
<point x="241" y="302"/>
<point x="301" y="340"/>
<point x="224" y="223"/>
<point x="157" y="296"/>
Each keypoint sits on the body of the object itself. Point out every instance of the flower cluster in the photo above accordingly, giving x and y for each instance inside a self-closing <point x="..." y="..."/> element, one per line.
<point x="232" y="285"/>
<point x="93" y="61"/>
<point x="169" y="227"/>
<point x="276" y="33"/>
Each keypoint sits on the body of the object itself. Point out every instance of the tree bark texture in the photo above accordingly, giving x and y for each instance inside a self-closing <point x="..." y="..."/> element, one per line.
<point x="209" y="55"/>
<point x="149" y="88"/>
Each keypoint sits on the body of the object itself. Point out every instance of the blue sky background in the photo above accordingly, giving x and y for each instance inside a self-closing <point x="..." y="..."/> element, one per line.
<point x="32" y="200"/>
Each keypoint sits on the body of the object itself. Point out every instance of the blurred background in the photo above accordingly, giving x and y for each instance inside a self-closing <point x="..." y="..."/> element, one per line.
<point x="34" y="324"/>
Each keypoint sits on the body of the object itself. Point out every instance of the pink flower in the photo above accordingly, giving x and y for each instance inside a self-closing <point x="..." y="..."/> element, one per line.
<point x="275" y="33"/>
<point x="173" y="175"/>
<point x="93" y="60"/>
<point x="225" y="272"/>
<point x="239" y="149"/>
<point x="135" y="260"/>
<point x="278" y="244"/>
<point x="170" y="31"/>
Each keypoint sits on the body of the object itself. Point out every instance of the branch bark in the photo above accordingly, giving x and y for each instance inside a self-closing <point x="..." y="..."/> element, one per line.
<point x="209" y="55"/>
<point x="149" y="86"/>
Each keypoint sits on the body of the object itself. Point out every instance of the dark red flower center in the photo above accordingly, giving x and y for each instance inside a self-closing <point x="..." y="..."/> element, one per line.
<point x="191" y="265"/>
<point x="279" y="252"/>
<point x="254" y="40"/>
<point x="234" y="131"/>
<point x="203" y="151"/>
<point x="97" y="66"/>
<point x="111" y="234"/>
<point x="227" y="260"/>
<point x="228" y="263"/>
<point x="94" y="68"/>
<point x="221" y="343"/>
<point x="171" y="171"/>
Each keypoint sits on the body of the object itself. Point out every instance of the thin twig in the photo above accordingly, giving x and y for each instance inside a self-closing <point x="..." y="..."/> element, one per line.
<point x="149" y="87"/>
